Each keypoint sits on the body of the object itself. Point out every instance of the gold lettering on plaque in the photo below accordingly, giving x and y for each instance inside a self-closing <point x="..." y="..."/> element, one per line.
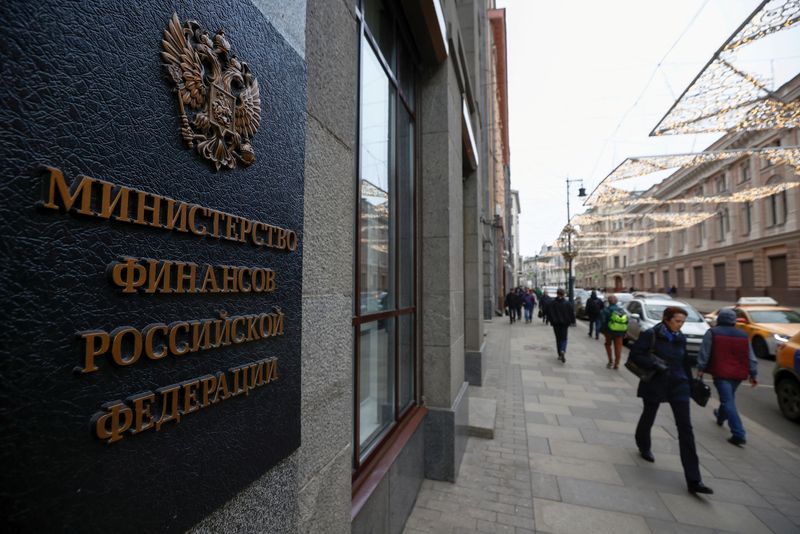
<point x="217" y="89"/>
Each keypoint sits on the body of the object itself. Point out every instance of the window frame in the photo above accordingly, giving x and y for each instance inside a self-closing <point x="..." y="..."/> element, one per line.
<point x="372" y="458"/>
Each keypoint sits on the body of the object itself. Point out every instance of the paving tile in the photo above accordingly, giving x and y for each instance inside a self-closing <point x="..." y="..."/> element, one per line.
<point x="610" y="497"/>
<point x="575" y="468"/>
<point x="776" y="521"/>
<point x="575" y="421"/>
<point x="709" y="513"/>
<point x="550" y="431"/>
<point x="605" y="397"/>
<point x="545" y="486"/>
<point x="599" y="413"/>
<point x="629" y="428"/>
<point x="563" y="518"/>
<point x="667" y="462"/>
<point x="659" y="526"/>
<point x="566" y="401"/>
<point x="655" y="479"/>
<point x="547" y="408"/>
<point x="590" y="451"/>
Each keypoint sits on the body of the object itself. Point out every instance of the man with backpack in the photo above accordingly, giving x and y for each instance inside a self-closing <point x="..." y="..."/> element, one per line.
<point x="594" y="309"/>
<point x="615" y="324"/>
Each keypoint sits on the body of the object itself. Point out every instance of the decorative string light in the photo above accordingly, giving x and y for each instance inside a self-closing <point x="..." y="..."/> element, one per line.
<point x="643" y="165"/>
<point x="725" y="98"/>
<point x="776" y="15"/>
<point x="622" y="199"/>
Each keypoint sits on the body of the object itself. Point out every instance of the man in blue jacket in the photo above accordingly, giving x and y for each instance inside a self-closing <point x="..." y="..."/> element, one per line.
<point x="727" y="355"/>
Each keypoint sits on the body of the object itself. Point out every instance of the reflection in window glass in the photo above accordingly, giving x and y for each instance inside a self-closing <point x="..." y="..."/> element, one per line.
<point x="376" y="411"/>
<point x="381" y="24"/>
<point x="406" y="357"/>
<point x="377" y="159"/>
<point x="405" y="208"/>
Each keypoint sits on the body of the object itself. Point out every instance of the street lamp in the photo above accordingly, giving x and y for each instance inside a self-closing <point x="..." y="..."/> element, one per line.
<point x="569" y="229"/>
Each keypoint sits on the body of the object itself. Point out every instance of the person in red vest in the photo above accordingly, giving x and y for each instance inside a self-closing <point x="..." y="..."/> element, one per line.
<point x="727" y="356"/>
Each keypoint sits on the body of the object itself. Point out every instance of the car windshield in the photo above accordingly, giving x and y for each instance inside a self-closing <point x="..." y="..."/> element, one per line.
<point x="656" y="311"/>
<point x="775" y="316"/>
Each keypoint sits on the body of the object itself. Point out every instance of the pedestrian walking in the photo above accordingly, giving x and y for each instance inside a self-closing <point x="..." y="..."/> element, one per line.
<point x="520" y="302"/>
<point x="529" y="302"/>
<point x="544" y="302"/>
<point x="726" y="354"/>
<point x="561" y="315"/>
<point x="672" y="385"/>
<point x="511" y="305"/>
<point x="594" y="310"/>
<point x="614" y="321"/>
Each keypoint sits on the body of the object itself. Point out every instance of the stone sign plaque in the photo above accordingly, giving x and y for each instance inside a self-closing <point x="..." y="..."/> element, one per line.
<point x="152" y="223"/>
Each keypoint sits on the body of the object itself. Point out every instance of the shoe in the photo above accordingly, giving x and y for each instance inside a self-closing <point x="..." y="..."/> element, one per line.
<point x="716" y="415"/>
<point x="597" y="337"/>
<point x="590" y="334"/>
<point x="699" y="487"/>
<point x="736" y="440"/>
<point x="561" y="356"/>
<point x="616" y="368"/>
<point x="647" y="455"/>
<point x="608" y="365"/>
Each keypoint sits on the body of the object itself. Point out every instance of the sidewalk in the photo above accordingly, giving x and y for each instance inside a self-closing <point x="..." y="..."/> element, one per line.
<point x="563" y="458"/>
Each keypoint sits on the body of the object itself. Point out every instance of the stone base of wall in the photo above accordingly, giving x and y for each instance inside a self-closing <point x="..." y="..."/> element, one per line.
<point x="389" y="506"/>
<point x="475" y="366"/>
<point x="446" y="438"/>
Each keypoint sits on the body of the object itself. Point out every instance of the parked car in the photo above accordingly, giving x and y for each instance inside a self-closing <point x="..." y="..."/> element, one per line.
<point x="581" y="296"/>
<point x="787" y="377"/>
<point x="622" y="298"/>
<point x="646" y="312"/>
<point x="766" y="323"/>
<point x="648" y="295"/>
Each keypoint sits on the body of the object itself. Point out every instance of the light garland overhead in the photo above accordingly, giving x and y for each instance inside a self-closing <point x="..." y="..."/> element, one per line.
<point x="618" y="197"/>
<point x="725" y="98"/>
<point x="643" y="165"/>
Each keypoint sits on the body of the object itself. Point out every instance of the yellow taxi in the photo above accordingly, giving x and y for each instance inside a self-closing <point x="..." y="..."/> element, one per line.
<point x="787" y="378"/>
<point x="766" y="323"/>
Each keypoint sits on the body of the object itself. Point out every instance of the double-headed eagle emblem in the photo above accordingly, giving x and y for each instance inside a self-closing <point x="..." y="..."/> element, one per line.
<point x="216" y="89"/>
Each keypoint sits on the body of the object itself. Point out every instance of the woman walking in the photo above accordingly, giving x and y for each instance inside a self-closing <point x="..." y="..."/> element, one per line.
<point x="671" y="385"/>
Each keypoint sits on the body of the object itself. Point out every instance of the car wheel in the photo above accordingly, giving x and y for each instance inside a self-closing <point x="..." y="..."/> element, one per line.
<point x="760" y="348"/>
<point x="788" y="392"/>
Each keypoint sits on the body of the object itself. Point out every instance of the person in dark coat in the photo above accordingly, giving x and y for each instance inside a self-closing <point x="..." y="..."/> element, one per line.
<point x="727" y="355"/>
<point x="670" y="385"/>
<point x="511" y="305"/>
<point x="594" y="307"/>
<point x="543" y="303"/>
<point x="561" y="315"/>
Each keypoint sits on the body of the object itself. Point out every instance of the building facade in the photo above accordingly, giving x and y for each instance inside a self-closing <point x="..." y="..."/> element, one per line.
<point x="370" y="161"/>
<point x="749" y="248"/>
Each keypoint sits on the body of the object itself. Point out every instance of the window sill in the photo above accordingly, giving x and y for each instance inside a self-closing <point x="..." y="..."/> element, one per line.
<point x="365" y="483"/>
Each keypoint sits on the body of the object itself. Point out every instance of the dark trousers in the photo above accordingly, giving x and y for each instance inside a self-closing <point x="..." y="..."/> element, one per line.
<point x="680" y="409"/>
<point x="560" y="331"/>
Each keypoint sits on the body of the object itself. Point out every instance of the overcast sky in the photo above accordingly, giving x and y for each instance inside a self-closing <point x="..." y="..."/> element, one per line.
<point x="581" y="97"/>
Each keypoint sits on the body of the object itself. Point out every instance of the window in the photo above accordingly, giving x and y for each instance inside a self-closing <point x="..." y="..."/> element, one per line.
<point x="682" y="240"/>
<point x="744" y="172"/>
<point x="721" y="183"/>
<point x="764" y="161"/>
<point x="701" y="233"/>
<point x="384" y="318"/>
<point x="777" y="208"/>
<point x="723" y="224"/>
<point x="616" y="262"/>
<point x="747" y="218"/>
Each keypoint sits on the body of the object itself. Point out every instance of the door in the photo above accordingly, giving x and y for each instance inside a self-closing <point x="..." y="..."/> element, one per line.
<point x="746" y="273"/>
<point x="698" y="276"/>
<point x="719" y="275"/>
<point x="777" y="271"/>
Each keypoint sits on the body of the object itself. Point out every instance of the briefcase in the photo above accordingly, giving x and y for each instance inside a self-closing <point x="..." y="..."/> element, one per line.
<point x="700" y="391"/>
